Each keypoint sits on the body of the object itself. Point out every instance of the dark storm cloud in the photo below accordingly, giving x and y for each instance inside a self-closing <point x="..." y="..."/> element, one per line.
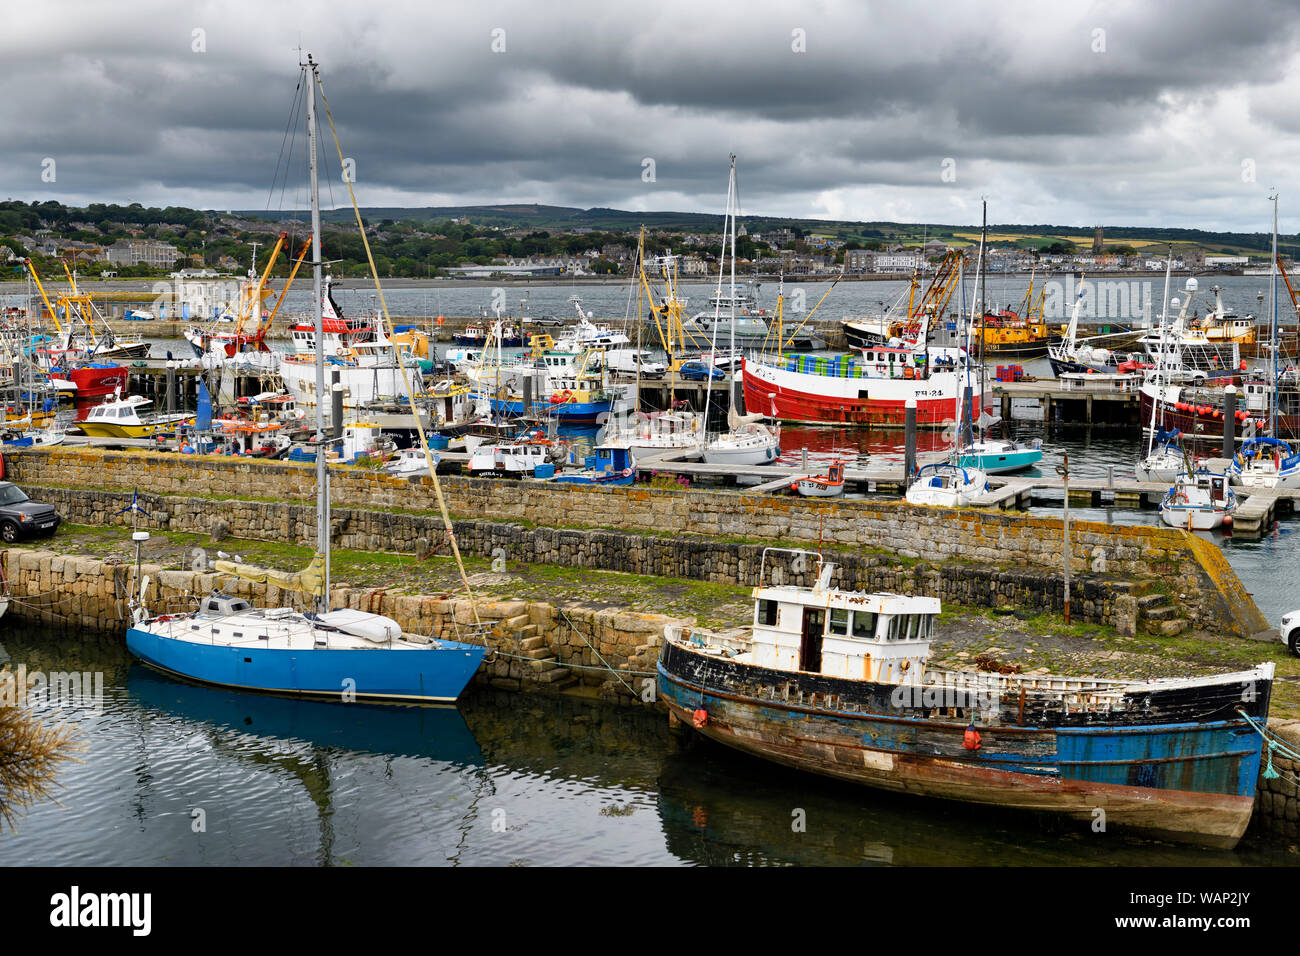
<point x="1149" y="121"/>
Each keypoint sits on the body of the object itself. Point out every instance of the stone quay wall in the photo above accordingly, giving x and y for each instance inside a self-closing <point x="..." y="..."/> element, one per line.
<point x="532" y="645"/>
<point x="1277" y="803"/>
<point x="1192" y="571"/>
<point x="1095" y="597"/>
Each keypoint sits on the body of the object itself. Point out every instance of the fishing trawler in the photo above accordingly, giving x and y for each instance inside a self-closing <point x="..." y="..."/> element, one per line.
<point x="839" y="683"/>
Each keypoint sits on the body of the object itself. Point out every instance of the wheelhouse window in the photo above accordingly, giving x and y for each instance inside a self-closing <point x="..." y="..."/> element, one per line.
<point x="765" y="613"/>
<point x="838" y="623"/>
<point x="864" y="624"/>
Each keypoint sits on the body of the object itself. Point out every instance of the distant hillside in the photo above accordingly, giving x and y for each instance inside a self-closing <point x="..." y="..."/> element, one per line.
<point x="564" y="218"/>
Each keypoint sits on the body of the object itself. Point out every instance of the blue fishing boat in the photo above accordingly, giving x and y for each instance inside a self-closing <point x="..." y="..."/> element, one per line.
<point x="575" y="409"/>
<point x="839" y="683"/>
<point x="609" y="465"/>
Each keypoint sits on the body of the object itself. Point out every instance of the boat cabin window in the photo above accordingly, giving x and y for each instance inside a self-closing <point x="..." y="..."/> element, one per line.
<point x="864" y="624"/>
<point x="839" y="621"/>
<point x="909" y="627"/>
<point x="766" y="613"/>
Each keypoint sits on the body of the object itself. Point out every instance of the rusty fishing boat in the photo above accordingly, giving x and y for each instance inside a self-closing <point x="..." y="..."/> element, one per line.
<point x="839" y="683"/>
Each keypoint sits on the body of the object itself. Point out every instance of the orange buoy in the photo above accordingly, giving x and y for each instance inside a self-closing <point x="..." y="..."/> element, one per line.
<point x="700" y="718"/>
<point x="971" y="739"/>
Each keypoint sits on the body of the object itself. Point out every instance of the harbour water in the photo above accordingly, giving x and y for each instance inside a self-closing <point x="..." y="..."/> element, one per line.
<point x="175" y="774"/>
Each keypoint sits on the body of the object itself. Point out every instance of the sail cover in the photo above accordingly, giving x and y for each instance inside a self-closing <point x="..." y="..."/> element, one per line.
<point x="310" y="580"/>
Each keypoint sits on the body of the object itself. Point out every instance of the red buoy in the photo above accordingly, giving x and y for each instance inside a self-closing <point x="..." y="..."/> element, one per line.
<point x="971" y="739"/>
<point x="700" y="718"/>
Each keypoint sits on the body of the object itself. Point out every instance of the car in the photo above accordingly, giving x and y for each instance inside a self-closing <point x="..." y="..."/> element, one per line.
<point x="1290" y="631"/>
<point x="696" y="372"/>
<point x="20" y="517"/>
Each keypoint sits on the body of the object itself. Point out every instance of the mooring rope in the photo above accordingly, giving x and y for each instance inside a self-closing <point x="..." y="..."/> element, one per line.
<point x="1274" y="743"/>
<point x="575" y="630"/>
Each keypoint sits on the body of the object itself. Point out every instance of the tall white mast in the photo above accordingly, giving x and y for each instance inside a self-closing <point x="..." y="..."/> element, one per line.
<point x="728" y="220"/>
<point x="733" y="203"/>
<point x="322" y="473"/>
<point x="1160" y="357"/>
<point x="1272" y="282"/>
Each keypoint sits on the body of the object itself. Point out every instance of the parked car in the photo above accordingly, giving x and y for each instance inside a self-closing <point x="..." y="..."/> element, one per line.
<point x="696" y="371"/>
<point x="1290" y="631"/>
<point x="20" y="517"/>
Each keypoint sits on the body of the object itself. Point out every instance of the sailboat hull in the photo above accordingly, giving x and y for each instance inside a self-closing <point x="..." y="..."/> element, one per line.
<point x="1003" y="462"/>
<point x="746" y="454"/>
<point x="436" y="674"/>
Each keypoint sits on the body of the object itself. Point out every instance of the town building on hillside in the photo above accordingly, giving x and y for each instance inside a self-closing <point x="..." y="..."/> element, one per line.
<point x="896" y="262"/>
<point x="130" y="252"/>
<point x="859" y="260"/>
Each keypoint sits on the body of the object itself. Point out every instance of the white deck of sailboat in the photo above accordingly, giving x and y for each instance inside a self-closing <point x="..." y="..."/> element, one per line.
<point x="270" y="629"/>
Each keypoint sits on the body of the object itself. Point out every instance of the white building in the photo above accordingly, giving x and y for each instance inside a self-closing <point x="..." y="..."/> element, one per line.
<point x="130" y="252"/>
<point x="896" y="262"/>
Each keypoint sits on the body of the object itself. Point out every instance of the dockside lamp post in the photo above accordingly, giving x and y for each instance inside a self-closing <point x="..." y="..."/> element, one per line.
<point x="1063" y="470"/>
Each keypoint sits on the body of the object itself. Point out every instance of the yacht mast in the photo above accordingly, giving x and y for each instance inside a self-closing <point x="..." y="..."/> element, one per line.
<point x="322" y="472"/>
<point x="732" y="203"/>
<point x="1272" y="282"/>
<point x="1160" y="358"/>
<point x="711" y="362"/>
<point x="984" y="228"/>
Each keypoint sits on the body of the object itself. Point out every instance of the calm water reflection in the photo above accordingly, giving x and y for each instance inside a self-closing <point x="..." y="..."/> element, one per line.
<point x="505" y="779"/>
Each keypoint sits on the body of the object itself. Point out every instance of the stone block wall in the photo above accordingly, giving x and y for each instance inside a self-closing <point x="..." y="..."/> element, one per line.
<point x="1094" y="596"/>
<point x="1277" y="804"/>
<point x="1206" y="587"/>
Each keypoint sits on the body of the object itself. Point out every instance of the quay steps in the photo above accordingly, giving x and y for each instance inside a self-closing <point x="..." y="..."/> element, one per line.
<point x="540" y="659"/>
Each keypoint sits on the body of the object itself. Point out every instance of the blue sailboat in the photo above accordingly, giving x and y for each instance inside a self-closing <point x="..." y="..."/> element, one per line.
<point x="347" y="655"/>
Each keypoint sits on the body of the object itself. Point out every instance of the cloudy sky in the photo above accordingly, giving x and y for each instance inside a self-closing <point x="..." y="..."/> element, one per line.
<point x="1145" y="113"/>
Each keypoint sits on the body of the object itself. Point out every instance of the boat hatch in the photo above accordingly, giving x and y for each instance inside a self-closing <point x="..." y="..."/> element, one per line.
<point x="221" y="604"/>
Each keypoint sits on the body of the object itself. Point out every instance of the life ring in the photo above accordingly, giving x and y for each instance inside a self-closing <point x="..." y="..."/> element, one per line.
<point x="1180" y="498"/>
